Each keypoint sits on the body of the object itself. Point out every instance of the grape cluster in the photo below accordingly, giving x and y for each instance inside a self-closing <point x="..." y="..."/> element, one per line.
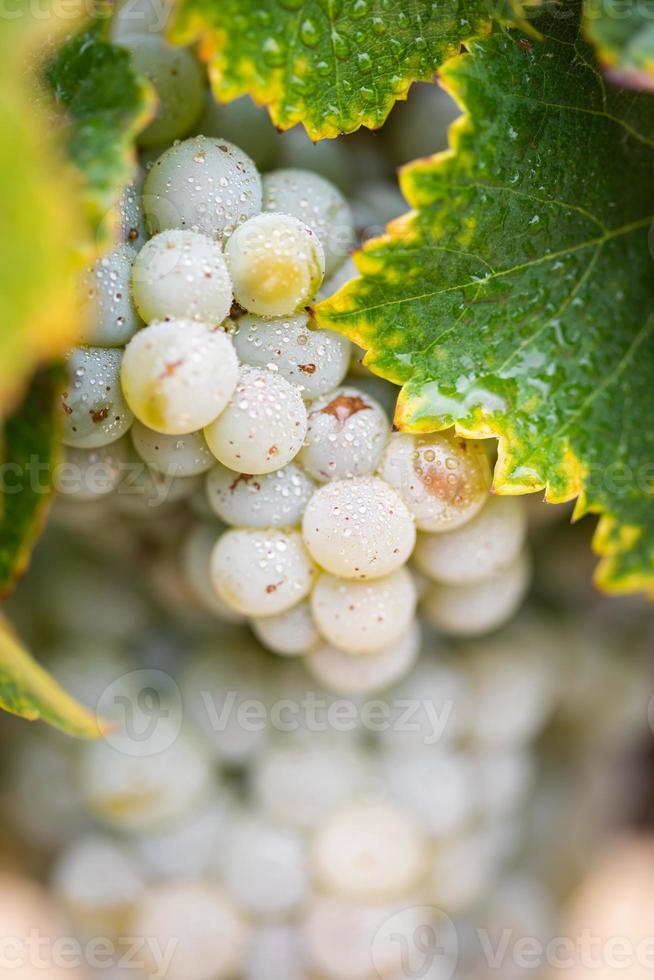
<point x="203" y="348"/>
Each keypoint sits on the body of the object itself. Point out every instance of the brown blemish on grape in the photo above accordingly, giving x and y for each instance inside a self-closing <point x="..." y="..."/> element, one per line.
<point x="170" y="368"/>
<point x="307" y="368"/>
<point x="244" y="478"/>
<point x="273" y="587"/>
<point x="344" y="407"/>
<point x="98" y="414"/>
<point x="132" y="234"/>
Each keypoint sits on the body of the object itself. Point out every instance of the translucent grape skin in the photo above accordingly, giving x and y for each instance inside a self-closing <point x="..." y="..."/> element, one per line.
<point x="182" y="275"/>
<point x="205" y="185"/>
<point x="276" y="264"/>
<point x="364" y="617"/>
<point x="178" y="375"/>
<point x="358" y="528"/>
<point x="180" y="455"/>
<point x="113" y="317"/>
<point x="344" y="673"/>
<point x="291" y="633"/>
<point x="478" y="607"/>
<point x="316" y="361"/>
<point x="275" y="499"/>
<point x="195" y="560"/>
<point x="94" y="410"/>
<point x="442" y="478"/>
<point x="260" y="573"/>
<point x="131" y="221"/>
<point x="263" y="426"/>
<point x="317" y="203"/>
<point x="346" y="434"/>
<point x="478" y="549"/>
<point x="177" y="79"/>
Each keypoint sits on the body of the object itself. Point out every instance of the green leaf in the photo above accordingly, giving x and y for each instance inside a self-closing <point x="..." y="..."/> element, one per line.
<point x="26" y="689"/>
<point x="333" y="65"/>
<point x="623" y="34"/>
<point x="517" y="300"/>
<point x="30" y="451"/>
<point x="107" y="104"/>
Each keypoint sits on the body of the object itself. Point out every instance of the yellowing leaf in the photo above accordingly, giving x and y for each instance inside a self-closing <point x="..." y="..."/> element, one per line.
<point x="333" y="66"/>
<point x="516" y="301"/>
<point x="623" y="34"/>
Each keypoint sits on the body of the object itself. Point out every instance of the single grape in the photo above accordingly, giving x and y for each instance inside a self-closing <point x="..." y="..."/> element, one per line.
<point x="318" y="204"/>
<point x="478" y="607"/>
<point x="87" y="474"/>
<point x="314" y="360"/>
<point x="275" y="950"/>
<point x="358" y="528"/>
<point x="276" y="499"/>
<point x="276" y="264"/>
<point x="260" y="573"/>
<point x="178" y="375"/>
<point x="264" y="866"/>
<point x="478" y="549"/>
<point x="94" y="410"/>
<point x="105" y="286"/>
<point x="263" y="426"/>
<point x="367" y="851"/>
<point x="177" y="80"/>
<point x="345" y="673"/>
<point x="296" y="781"/>
<point x="464" y="870"/>
<point x="364" y="617"/>
<point x="195" y="560"/>
<point x="138" y="17"/>
<point x="126" y="782"/>
<point x="131" y="220"/>
<point x="183" y="455"/>
<point x="346" y="435"/>
<point x="97" y="881"/>
<point x="205" y="185"/>
<point x="291" y="633"/>
<point x="436" y="785"/>
<point x="206" y="933"/>
<point x="442" y="478"/>
<point x="181" y="275"/>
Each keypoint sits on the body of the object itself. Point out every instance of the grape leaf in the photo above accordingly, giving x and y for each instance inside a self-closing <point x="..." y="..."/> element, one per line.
<point x="623" y="34"/>
<point x="30" y="451"/>
<point x="39" y="218"/>
<point x="26" y="689"/>
<point x="516" y="299"/>
<point x="333" y="65"/>
<point x="107" y="104"/>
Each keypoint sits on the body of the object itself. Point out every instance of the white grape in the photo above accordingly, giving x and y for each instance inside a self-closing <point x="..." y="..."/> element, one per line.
<point x="315" y="361"/>
<point x="87" y="474"/>
<point x="196" y="551"/>
<point x="177" y="80"/>
<point x="264" y="866"/>
<point x="261" y="573"/>
<point x="144" y="490"/>
<point x="317" y="203"/>
<point x="440" y="695"/>
<point x="106" y="287"/>
<point x="131" y="220"/>
<point x="263" y="426"/>
<point x="98" y="881"/>
<point x="503" y="777"/>
<point x="364" y="617"/>
<point x="358" y="528"/>
<point x="442" y="478"/>
<point x="183" y="455"/>
<point x="295" y="782"/>
<point x="205" y="185"/>
<point x="181" y="274"/>
<point x="187" y="849"/>
<point x="94" y="410"/>
<point x="275" y="950"/>
<point x="337" y="280"/>
<point x="463" y="871"/>
<point x="138" y="17"/>
<point x="478" y="607"/>
<point x="276" y="499"/>
<point x="346" y="673"/>
<point x="346" y="435"/>
<point x="476" y="550"/>
<point x="291" y="633"/>
<point x="204" y="929"/>
<point x="276" y="264"/>
<point x="178" y="375"/>
<point x="437" y="786"/>
<point x="126" y="782"/>
<point x="367" y="851"/>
